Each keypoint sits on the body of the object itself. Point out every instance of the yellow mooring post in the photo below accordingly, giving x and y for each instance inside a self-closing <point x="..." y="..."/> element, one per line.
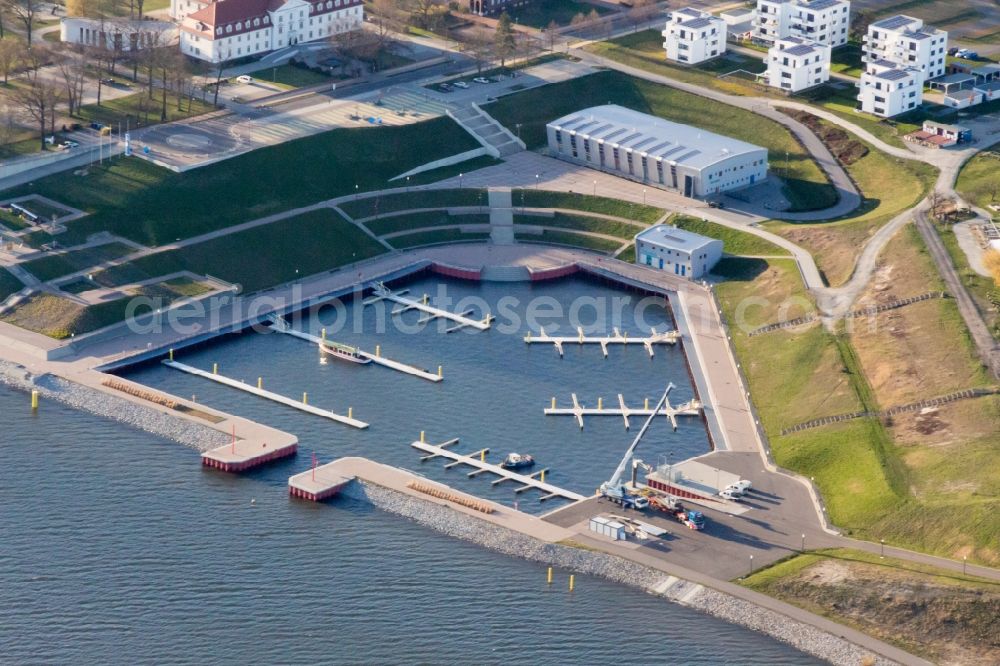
<point x="34" y="400"/>
<point x="350" y="412"/>
<point x="645" y="405"/>
<point x="553" y="402"/>
<point x="440" y="371"/>
<point x="572" y="579"/>
<point x="305" y="398"/>
<point x="422" y="439"/>
<point x="425" y="299"/>
<point x="171" y="354"/>
<point x="482" y="456"/>
<point x="550" y="576"/>
<point x="600" y="403"/>
<point x="215" y="368"/>
<point x="542" y="479"/>
<point x="260" y="383"/>
<point x="378" y="351"/>
<point x="322" y="334"/>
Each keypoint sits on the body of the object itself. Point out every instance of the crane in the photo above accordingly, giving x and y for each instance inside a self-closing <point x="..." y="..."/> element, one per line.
<point x="613" y="488"/>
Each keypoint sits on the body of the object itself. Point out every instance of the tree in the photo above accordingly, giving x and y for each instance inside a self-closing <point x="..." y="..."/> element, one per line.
<point x="552" y="34"/>
<point x="72" y="69"/>
<point x="223" y="59"/>
<point x="24" y="11"/>
<point x="39" y="95"/>
<point x="503" y="39"/>
<point x="641" y="12"/>
<point x="859" y="25"/>
<point x="479" y="47"/>
<point x="10" y="57"/>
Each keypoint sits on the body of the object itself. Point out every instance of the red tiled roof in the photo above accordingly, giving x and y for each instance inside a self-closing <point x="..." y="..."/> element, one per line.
<point x="229" y="11"/>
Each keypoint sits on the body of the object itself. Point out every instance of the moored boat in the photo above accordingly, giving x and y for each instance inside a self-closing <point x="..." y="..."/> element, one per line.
<point x="517" y="461"/>
<point x="343" y="352"/>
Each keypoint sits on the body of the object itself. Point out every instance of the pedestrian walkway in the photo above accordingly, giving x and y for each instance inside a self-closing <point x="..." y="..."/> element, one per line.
<point x="496" y="138"/>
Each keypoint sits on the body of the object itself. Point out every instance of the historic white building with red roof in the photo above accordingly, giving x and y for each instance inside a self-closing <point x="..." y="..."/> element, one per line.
<point x="224" y="30"/>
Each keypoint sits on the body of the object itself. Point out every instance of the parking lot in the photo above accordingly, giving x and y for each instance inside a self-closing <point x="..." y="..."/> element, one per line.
<point x="780" y="512"/>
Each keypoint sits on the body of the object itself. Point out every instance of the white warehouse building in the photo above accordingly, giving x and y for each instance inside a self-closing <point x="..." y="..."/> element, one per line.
<point x="677" y="251"/>
<point x="794" y="64"/>
<point x="657" y="152"/>
<point x="692" y="36"/>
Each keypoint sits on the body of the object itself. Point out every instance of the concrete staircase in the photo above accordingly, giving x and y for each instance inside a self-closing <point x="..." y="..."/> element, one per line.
<point x="493" y="136"/>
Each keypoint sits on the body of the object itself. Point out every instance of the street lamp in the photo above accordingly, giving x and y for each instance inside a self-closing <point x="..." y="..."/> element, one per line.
<point x="595" y="188"/>
<point x="407" y="183"/>
<point x="536" y="181"/>
<point x="803" y="548"/>
<point x="460" y="179"/>
<point x="882" y="551"/>
<point x="356" y="194"/>
<point x="644" y="196"/>
<point x="751" y="565"/>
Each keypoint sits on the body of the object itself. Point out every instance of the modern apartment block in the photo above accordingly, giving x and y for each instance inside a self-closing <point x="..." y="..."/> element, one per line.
<point x="794" y="64"/>
<point x="887" y="88"/>
<point x="905" y="41"/>
<point x="823" y="21"/>
<point x="692" y="36"/>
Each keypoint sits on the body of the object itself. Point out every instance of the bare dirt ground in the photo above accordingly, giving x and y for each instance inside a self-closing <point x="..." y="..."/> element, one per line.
<point x="951" y="621"/>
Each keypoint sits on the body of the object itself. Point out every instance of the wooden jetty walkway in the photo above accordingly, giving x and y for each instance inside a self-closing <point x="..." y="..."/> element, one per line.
<point x="279" y="324"/>
<point x="690" y="408"/>
<point x="260" y="392"/>
<point x="617" y="338"/>
<point x="478" y="461"/>
<point x="319" y="483"/>
<point x="461" y="319"/>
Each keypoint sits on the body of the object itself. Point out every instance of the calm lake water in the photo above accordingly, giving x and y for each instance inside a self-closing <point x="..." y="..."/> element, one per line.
<point x="117" y="547"/>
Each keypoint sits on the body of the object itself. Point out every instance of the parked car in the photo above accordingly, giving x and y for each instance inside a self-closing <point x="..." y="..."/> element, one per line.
<point x="108" y="82"/>
<point x="716" y="204"/>
<point x="444" y="87"/>
<point x="953" y="50"/>
<point x="66" y="145"/>
<point x="51" y="140"/>
<point x="244" y="78"/>
<point x="481" y="79"/>
<point x="730" y="494"/>
<point x="742" y="486"/>
<point x="460" y="84"/>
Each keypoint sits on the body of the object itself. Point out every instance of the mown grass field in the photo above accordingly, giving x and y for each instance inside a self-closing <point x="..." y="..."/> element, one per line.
<point x="979" y="180"/>
<point x="415" y="221"/>
<point x="889" y="186"/>
<point x="597" y="225"/>
<point x="734" y="241"/>
<point x="57" y="265"/>
<point x="805" y="183"/>
<point x="139" y="109"/>
<point x="587" y="203"/>
<point x="260" y="257"/>
<point x="8" y="284"/>
<point x="391" y="203"/>
<point x="152" y="206"/>
<point x="570" y="239"/>
<point x="434" y="237"/>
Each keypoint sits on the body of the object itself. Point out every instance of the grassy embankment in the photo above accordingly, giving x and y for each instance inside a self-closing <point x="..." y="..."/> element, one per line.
<point x="941" y="615"/>
<point x="8" y="284"/>
<point x="805" y="184"/>
<point x="889" y="186"/>
<point x="57" y="265"/>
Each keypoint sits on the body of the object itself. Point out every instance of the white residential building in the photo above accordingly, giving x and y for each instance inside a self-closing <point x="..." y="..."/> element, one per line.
<point x="657" y="152"/>
<point x="823" y="21"/>
<point x="230" y="29"/>
<point x="905" y="41"/>
<point x="692" y="36"/>
<point x="119" y="34"/>
<point x="887" y="89"/>
<point x="677" y="251"/>
<point x="794" y="64"/>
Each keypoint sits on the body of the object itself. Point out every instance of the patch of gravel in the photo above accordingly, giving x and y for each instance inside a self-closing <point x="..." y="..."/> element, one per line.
<point x="444" y="519"/>
<point x="109" y="406"/>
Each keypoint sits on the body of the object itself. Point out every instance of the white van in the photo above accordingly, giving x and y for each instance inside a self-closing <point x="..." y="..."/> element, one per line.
<point x="244" y="78"/>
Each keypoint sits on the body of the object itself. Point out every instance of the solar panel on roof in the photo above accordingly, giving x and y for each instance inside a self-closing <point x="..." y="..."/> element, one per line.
<point x="686" y="156"/>
<point x="893" y="75"/>
<point x="620" y="130"/>
<point x="893" y="22"/>
<point x="645" y="142"/>
<point x="659" y="146"/>
<point x="697" y="23"/>
<point x="823" y="4"/>
<point x="675" y="149"/>
<point x="630" y="137"/>
<point x="799" y="50"/>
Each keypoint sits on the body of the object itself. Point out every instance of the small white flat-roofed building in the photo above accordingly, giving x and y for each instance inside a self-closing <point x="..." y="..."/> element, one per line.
<point x="692" y="36"/>
<point x="657" y="152"/>
<point x="677" y="251"/>
<point x="905" y="41"/>
<point x="794" y="64"/>
<point x="823" y="21"/>
<point x="739" y="23"/>
<point x="888" y="89"/>
<point x="117" y="34"/>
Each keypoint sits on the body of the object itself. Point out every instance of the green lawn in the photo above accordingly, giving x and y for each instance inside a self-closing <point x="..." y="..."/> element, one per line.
<point x="444" y="198"/>
<point x="734" y="240"/>
<point x="552" y="237"/>
<point x="8" y="284"/>
<point x="598" y="225"/>
<point x="57" y="265"/>
<point x="587" y="203"/>
<point x="152" y="205"/>
<point x="414" y="221"/>
<point x="261" y="257"/>
<point x="805" y="184"/>
<point x="984" y="291"/>
<point x="540" y="14"/>
<point x="291" y="76"/>
<point x="138" y="109"/>
<point x="452" y="170"/>
<point x="13" y="221"/>
<point x="889" y="186"/>
<point x="846" y="59"/>
<point x="979" y="180"/>
<point x="628" y="254"/>
<point x="419" y="238"/>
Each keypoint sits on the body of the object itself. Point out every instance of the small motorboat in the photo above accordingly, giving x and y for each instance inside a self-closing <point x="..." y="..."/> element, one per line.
<point x="517" y="461"/>
<point x="343" y="352"/>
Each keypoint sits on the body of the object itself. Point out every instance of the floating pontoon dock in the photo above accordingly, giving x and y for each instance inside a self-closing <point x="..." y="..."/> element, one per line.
<point x="244" y="454"/>
<point x="243" y="386"/>
<point x="284" y="327"/>
<point x="319" y="483"/>
<point x="617" y="338"/>
<point x="381" y="292"/>
<point x="475" y="460"/>
<point x="690" y="408"/>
